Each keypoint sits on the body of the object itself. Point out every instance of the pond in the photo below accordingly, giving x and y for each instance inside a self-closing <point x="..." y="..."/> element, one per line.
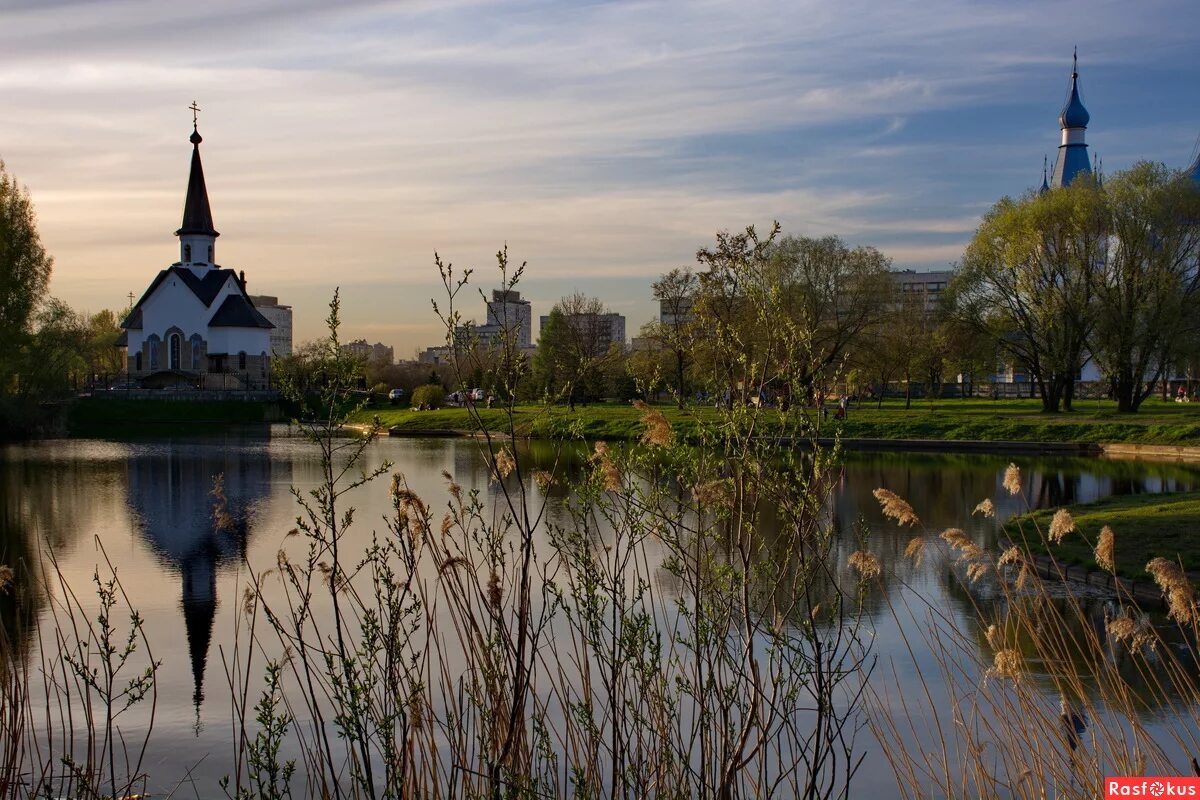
<point x="147" y="507"/>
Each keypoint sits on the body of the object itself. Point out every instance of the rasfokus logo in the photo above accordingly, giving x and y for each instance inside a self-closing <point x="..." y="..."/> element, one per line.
<point x="1161" y="786"/>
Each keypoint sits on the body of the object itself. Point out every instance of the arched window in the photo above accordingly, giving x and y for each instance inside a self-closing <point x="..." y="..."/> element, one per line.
<point x="196" y="342"/>
<point x="242" y="361"/>
<point x="137" y="361"/>
<point x="262" y="364"/>
<point x="153" y="343"/>
<point x="187" y="253"/>
<point x="174" y="358"/>
<point x="210" y="254"/>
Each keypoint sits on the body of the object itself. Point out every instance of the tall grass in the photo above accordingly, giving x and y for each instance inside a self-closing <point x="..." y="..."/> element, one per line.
<point x="1043" y="690"/>
<point x="647" y="643"/>
<point x="95" y="670"/>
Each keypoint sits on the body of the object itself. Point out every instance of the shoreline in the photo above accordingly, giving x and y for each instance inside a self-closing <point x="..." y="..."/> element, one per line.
<point x="1110" y="450"/>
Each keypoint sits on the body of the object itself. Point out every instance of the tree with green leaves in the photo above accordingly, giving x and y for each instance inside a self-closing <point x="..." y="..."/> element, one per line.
<point x="1148" y="283"/>
<point x="24" y="274"/>
<point x="1028" y="279"/>
<point x="831" y="292"/>
<point x="574" y="351"/>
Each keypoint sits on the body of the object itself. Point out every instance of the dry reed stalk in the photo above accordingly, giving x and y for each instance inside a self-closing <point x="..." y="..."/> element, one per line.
<point x="1104" y="549"/>
<point x="1012" y="479"/>
<point x="895" y="507"/>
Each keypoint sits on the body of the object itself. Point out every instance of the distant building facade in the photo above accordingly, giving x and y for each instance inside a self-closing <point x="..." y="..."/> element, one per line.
<point x="674" y="312"/>
<point x="508" y="315"/>
<point x="928" y="286"/>
<point x="281" y="317"/>
<point x="195" y="325"/>
<point x="436" y="356"/>
<point x="604" y="329"/>
<point x="379" y="354"/>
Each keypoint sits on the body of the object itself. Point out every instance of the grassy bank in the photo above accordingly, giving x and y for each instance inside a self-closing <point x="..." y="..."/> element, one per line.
<point x="1144" y="526"/>
<point x="950" y="420"/>
<point x="614" y="422"/>
<point x="98" y="415"/>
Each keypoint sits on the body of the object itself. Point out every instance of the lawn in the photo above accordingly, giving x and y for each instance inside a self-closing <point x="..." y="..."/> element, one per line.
<point x="1144" y="526"/>
<point x="989" y="420"/>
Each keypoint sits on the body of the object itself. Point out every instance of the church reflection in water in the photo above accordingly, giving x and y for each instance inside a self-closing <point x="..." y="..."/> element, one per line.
<point x="171" y="491"/>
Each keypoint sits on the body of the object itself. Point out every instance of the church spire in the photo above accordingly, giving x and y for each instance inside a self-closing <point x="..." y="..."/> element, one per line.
<point x="1045" y="187"/>
<point x="196" y="234"/>
<point x="1073" y="119"/>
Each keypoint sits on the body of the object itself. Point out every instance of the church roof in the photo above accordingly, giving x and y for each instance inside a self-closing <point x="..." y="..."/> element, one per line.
<point x="1194" y="169"/>
<point x="134" y="320"/>
<point x="238" y="312"/>
<point x="235" y="312"/>
<point x="205" y="288"/>
<point x="1074" y="115"/>
<point x="197" y="214"/>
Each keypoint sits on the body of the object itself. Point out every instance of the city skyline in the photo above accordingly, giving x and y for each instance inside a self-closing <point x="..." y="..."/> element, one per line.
<point x="603" y="142"/>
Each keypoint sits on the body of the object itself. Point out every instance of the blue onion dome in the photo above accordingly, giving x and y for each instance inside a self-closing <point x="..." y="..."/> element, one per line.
<point x="1074" y="115"/>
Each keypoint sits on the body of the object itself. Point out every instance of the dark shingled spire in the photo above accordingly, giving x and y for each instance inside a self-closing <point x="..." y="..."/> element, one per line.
<point x="197" y="215"/>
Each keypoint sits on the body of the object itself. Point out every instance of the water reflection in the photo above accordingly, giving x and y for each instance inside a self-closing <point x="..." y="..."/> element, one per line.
<point x="150" y="503"/>
<point x="171" y="492"/>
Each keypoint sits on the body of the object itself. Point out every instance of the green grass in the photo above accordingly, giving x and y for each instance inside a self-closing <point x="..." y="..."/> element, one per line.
<point x="988" y="420"/>
<point x="1023" y="421"/>
<point x="1144" y="526"/>
<point x="614" y="422"/>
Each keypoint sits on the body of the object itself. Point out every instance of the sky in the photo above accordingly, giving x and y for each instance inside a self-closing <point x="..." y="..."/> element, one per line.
<point x="602" y="142"/>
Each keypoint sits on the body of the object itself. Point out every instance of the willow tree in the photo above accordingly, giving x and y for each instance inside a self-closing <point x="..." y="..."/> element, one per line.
<point x="1148" y="285"/>
<point x="1028" y="279"/>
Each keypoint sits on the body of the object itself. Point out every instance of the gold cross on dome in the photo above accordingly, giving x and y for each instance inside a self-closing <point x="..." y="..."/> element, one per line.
<point x="195" y="111"/>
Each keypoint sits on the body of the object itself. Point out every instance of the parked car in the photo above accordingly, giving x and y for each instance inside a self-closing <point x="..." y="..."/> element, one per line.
<point x="396" y="394"/>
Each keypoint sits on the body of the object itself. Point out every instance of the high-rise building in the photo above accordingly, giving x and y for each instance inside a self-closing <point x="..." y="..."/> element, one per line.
<point x="602" y="330"/>
<point x="928" y="285"/>
<point x="507" y="311"/>
<point x="281" y="317"/>
<point x="379" y="354"/>
<point x="509" y="316"/>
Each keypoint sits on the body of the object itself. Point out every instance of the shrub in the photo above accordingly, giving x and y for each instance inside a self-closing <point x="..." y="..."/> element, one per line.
<point x="428" y="396"/>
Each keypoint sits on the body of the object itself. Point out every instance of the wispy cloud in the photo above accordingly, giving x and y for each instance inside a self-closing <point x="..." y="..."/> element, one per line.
<point x="603" y="141"/>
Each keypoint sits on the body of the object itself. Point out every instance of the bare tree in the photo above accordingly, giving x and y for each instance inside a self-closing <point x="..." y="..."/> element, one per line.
<point x="675" y="292"/>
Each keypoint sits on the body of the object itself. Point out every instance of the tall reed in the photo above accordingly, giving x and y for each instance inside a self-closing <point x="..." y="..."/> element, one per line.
<point x="1039" y="688"/>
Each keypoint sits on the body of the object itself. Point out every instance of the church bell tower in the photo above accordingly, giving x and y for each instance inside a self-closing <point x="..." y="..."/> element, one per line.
<point x="197" y="236"/>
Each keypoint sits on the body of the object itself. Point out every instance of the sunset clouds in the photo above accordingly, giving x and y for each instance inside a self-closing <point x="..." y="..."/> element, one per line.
<point x="603" y="141"/>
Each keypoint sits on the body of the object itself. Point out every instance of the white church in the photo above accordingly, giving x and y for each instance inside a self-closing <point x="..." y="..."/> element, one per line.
<point x="195" y="325"/>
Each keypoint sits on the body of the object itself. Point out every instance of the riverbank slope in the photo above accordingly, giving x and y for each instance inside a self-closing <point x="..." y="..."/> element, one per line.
<point x="1094" y="422"/>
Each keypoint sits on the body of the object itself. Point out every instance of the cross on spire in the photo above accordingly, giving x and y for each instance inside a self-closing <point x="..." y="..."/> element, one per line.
<point x="195" y="112"/>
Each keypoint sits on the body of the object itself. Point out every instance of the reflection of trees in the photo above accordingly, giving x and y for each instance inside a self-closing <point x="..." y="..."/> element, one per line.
<point x="50" y="495"/>
<point x="171" y="489"/>
<point x="1074" y="622"/>
<point x="942" y="488"/>
<point x="21" y="599"/>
